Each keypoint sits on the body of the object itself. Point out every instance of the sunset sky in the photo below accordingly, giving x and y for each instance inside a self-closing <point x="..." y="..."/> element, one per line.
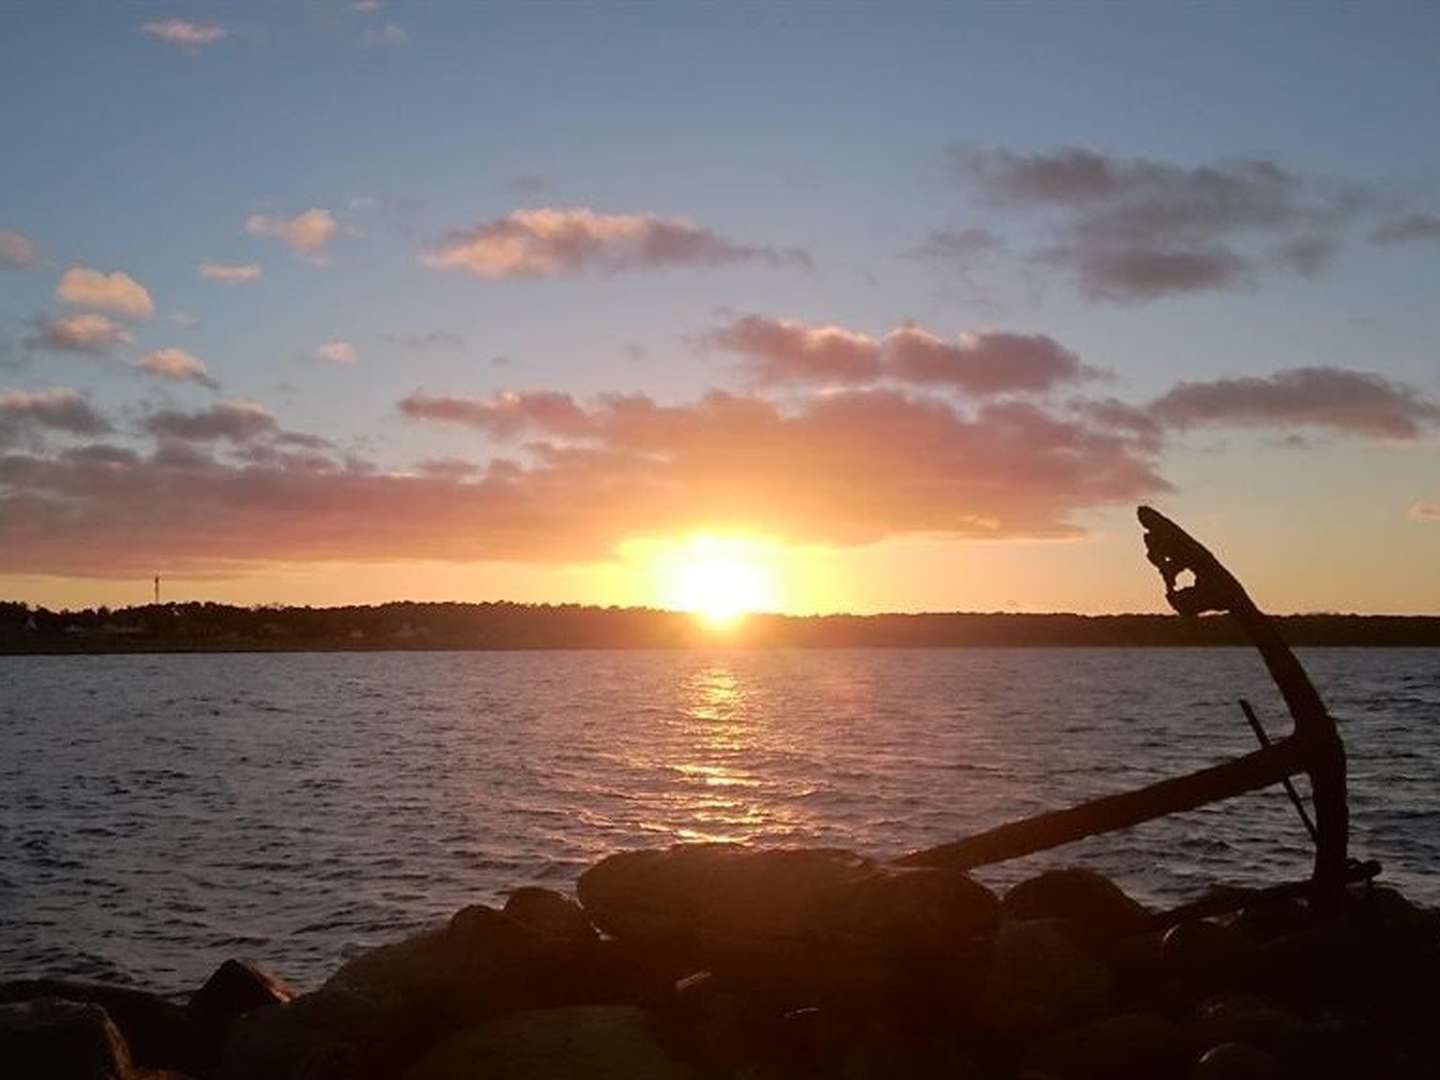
<point x="896" y="307"/>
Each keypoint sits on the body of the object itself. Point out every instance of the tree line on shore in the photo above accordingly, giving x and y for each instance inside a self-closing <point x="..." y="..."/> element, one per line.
<point x="504" y="625"/>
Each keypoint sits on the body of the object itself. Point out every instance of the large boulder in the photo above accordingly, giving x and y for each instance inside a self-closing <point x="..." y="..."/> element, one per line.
<point x="158" y="1033"/>
<point x="549" y="912"/>
<point x="721" y="893"/>
<point x="725" y="896"/>
<point x="1090" y="901"/>
<point x="579" y="1043"/>
<point x="66" y="1040"/>
<point x="382" y="1009"/>
<point x="1041" y="978"/>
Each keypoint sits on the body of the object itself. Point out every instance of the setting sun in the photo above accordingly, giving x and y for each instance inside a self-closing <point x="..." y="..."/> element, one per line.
<point x="721" y="579"/>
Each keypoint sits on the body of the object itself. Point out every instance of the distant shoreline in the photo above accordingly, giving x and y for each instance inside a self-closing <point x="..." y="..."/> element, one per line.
<point x="506" y="627"/>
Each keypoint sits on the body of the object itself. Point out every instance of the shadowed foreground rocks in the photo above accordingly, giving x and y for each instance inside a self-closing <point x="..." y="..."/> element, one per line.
<point x="720" y="961"/>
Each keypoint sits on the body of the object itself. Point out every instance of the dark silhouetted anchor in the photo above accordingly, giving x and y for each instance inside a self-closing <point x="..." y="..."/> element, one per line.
<point x="1313" y="748"/>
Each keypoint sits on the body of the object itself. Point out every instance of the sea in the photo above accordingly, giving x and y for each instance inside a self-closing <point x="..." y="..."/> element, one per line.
<point x="160" y="813"/>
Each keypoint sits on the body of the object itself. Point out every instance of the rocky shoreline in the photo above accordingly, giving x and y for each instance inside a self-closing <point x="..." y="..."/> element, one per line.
<point x="722" y="961"/>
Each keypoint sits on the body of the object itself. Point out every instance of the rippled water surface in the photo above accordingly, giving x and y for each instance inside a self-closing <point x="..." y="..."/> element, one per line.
<point x="159" y="813"/>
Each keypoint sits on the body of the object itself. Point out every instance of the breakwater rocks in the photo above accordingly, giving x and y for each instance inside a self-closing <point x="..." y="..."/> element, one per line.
<point x="720" y="961"/>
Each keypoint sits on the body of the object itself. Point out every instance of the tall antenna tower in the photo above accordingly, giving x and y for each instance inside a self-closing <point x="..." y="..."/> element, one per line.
<point x="157" y="588"/>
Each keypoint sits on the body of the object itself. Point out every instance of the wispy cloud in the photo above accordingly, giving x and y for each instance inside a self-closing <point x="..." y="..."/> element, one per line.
<point x="234" y="421"/>
<point x="1137" y="228"/>
<point x="336" y="352"/>
<point x="550" y="242"/>
<point x="308" y="234"/>
<point x="24" y="414"/>
<point x="389" y="36"/>
<point x="176" y="365"/>
<point x="117" y="292"/>
<point x="982" y="363"/>
<point x="185" y="34"/>
<point x="86" y="333"/>
<point x="17" y="250"/>
<point x="1425" y="511"/>
<point x="427" y="341"/>
<point x="230" y="273"/>
<point x="1336" y="399"/>
<point x="1408" y="229"/>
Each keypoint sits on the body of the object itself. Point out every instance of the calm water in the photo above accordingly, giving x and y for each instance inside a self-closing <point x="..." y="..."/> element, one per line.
<point x="159" y="813"/>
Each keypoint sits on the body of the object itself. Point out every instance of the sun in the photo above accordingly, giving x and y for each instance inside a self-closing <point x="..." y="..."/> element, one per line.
<point x="720" y="579"/>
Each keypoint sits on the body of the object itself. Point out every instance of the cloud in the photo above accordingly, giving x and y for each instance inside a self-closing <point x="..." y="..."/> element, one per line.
<point x="336" y="352"/>
<point x="982" y="363"/>
<point x="551" y="242"/>
<point x="1337" y="399"/>
<point x="178" y="366"/>
<point x="1409" y="229"/>
<point x="230" y="273"/>
<point x="235" y="421"/>
<point x="963" y="246"/>
<point x="1138" y="229"/>
<point x="308" y="234"/>
<point x="185" y="34"/>
<point x="25" y="414"/>
<point x="366" y="7"/>
<point x="780" y="350"/>
<point x="391" y="35"/>
<point x="1425" y="511"/>
<point x="845" y="468"/>
<point x="16" y="250"/>
<point x="427" y="341"/>
<point x="505" y="415"/>
<point x="86" y="333"/>
<point x="117" y="292"/>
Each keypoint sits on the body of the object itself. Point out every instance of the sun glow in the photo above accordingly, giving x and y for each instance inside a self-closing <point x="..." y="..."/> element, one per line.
<point x="720" y="579"/>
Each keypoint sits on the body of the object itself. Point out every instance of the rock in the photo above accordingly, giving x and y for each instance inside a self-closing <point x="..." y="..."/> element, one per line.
<point x="549" y="912"/>
<point x="1091" y="901"/>
<point x="238" y="987"/>
<point x="1235" y="1061"/>
<point x="382" y="1009"/>
<point x="582" y="1043"/>
<point x="1127" y="1046"/>
<point x="919" y="912"/>
<point x="1207" y="957"/>
<point x="157" y="1033"/>
<point x="1137" y="962"/>
<point x="884" y="1054"/>
<point x="720" y="893"/>
<point x="65" y="1040"/>
<point x="1242" y="1018"/>
<point x="1040" y="978"/>
<point x="1266" y="920"/>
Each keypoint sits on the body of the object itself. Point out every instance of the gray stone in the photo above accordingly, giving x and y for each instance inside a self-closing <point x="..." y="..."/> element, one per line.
<point x="1089" y="900"/>
<point x="1040" y="978"/>
<point x="581" y="1043"/>
<point x="157" y="1033"/>
<point x="549" y="912"/>
<point x="65" y="1040"/>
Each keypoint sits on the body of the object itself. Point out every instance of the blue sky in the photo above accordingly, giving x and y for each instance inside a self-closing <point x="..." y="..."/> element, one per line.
<point x="838" y="130"/>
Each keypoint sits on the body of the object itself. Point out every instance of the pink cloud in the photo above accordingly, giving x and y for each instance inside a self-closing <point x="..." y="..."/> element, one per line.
<point x="17" y="250"/>
<point x="231" y="273"/>
<point x="337" y="352"/>
<point x="178" y="366"/>
<point x="117" y="292"/>
<point x="550" y="242"/>
<point x="86" y="333"/>
<point x="185" y="34"/>
<point x="504" y="415"/>
<point x="845" y="468"/>
<point x="308" y="234"/>
<point x="1425" y="511"/>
